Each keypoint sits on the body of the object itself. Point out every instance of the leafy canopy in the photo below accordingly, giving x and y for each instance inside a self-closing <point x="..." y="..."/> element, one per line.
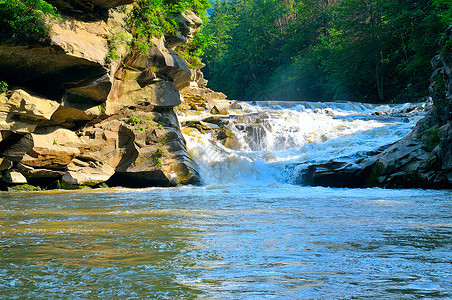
<point x="24" y="20"/>
<point x="361" y="50"/>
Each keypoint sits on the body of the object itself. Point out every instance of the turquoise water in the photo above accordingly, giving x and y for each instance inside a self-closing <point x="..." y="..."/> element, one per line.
<point x="272" y="241"/>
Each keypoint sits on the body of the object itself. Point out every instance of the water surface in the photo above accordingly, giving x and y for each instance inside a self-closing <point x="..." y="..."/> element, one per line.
<point x="222" y="242"/>
<point x="246" y="234"/>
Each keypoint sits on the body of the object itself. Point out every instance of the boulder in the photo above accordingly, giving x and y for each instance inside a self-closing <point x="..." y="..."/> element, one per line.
<point x="109" y="141"/>
<point x="23" y="104"/>
<point x="66" y="116"/>
<point x="14" y="177"/>
<point x="32" y="173"/>
<point x="21" y="112"/>
<point x="168" y="63"/>
<point x="89" y="94"/>
<point x="189" y="24"/>
<point x="52" y="150"/>
<point x="91" y="175"/>
<point x="14" y="124"/>
<point x="159" y="94"/>
<point x="145" y="148"/>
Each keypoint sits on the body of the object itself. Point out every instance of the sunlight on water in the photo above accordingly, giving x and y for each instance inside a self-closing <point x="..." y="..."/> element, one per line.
<point x="245" y="234"/>
<point x="226" y="242"/>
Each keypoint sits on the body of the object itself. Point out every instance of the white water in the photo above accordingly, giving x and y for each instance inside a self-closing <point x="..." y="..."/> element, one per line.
<point x="293" y="133"/>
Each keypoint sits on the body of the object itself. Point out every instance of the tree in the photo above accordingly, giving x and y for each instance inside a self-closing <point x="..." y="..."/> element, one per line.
<point x="362" y="50"/>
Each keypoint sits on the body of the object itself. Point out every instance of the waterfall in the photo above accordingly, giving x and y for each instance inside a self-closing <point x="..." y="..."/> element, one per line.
<point x="256" y="144"/>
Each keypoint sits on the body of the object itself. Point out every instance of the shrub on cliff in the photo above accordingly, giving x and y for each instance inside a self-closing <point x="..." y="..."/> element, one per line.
<point x="155" y="18"/>
<point x="24" y="20"/>
<point x="3" y="87"/>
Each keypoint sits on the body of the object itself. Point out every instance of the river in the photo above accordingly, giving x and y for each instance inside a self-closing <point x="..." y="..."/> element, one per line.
<point x="247" y="233"/>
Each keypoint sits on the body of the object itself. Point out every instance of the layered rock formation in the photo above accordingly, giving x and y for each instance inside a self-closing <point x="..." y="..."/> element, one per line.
<point x="82" y="113"/>
<point x="423" y="159"/>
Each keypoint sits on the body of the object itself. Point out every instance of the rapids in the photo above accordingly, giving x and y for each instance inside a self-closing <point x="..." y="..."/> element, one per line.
<point x="293" y="133"/>
<point x="245" y="234"/>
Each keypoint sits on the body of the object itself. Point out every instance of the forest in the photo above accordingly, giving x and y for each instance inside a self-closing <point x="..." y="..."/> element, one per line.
<point x="373" y="51"/>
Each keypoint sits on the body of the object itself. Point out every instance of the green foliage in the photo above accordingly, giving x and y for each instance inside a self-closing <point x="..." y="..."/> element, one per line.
<point x="157" y="158"/>
<point x="3" y="87"/>
<point x="24" y="20"/>
<point x="195" y="49"/>
<point x="132" y="120"/>
<point x="362" y="50"/>
<point x="155" y="18"/>
<point x="444" y="8"/>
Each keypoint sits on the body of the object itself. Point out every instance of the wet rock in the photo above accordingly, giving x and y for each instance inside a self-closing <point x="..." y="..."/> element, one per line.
<point x="201" y="98"/>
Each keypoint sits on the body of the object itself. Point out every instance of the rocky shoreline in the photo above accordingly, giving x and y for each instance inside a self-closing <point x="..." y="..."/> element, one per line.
<point x="82" y="113"/>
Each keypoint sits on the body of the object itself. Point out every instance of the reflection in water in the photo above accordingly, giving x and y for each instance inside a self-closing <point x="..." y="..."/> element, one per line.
<point x="221" y="242"/>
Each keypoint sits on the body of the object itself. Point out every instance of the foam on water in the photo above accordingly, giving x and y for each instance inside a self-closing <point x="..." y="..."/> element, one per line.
<point x="290" y="133"/>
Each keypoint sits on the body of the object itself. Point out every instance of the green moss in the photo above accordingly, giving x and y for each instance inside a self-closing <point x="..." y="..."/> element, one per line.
<point x="24" y="188"/>
<point x="433" y="139"/>
<point x="102" y="185"/>
<point x="157" y="158"/>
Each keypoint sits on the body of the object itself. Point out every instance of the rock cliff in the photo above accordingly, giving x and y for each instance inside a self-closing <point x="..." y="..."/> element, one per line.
<point x="84" y="109"/>
<point x="423" y="159"/>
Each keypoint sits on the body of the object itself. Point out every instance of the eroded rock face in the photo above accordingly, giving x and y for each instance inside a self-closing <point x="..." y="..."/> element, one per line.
<point x="165" y="62"/>
<point x="189" y="25"/>
<point x="145" y="147"/>
<point x="83" y="116"/>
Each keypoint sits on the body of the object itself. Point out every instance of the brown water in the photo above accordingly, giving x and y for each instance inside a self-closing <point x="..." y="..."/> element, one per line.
<point x="227" y="242"/>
